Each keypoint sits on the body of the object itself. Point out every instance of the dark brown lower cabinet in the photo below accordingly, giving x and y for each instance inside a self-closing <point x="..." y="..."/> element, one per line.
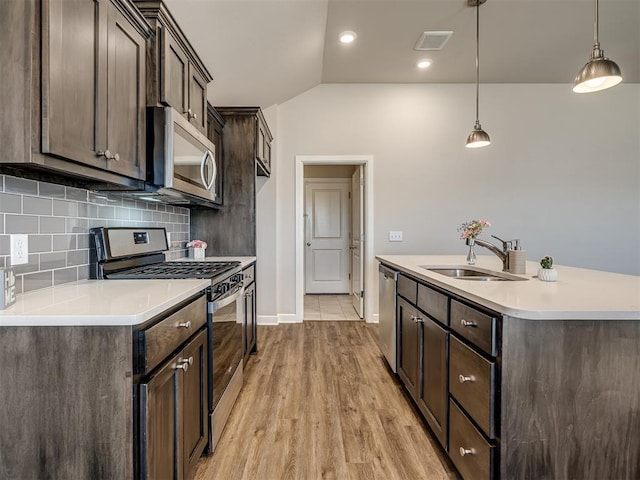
<point x="173" y="414"/>
<point x="408" y="347"/>
<point x="422" y="365"/>
<point x="433" y="399"/>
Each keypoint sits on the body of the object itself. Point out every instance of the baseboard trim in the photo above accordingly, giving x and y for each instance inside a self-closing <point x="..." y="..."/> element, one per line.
<point x="288" y="318"/>
<point x="375" y="319"/>
<point x="267" y="319"/>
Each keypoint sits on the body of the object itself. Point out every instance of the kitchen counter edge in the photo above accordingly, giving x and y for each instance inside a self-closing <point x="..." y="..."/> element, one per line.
<point x="579" y="294"/>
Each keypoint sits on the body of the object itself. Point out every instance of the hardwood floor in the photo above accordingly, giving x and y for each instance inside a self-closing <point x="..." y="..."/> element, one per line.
<point x="319" y="403"/>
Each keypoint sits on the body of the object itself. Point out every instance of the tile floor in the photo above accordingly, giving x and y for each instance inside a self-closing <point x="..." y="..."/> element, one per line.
<point x="329" y="307"/>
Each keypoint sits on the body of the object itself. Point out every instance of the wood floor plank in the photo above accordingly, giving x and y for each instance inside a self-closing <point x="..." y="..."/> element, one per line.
<point x="318" y="402"/>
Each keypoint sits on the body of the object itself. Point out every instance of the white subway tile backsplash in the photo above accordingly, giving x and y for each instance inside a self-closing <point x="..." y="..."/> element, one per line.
<point x="58" y="220"/>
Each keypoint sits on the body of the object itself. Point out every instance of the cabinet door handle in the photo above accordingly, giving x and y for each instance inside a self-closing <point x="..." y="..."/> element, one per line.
<point x="190" y="114"/>
<point x="416" y="319"/>
<point x="108" y="155"/>
<point x="186" y="324"/>
<point x="183" y="364"/>
<point x="468" y="323"/>
<point x="466" y="378"/>
<point x="467" y="451"/>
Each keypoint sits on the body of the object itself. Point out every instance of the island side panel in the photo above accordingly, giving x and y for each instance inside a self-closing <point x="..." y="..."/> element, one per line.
<point x="66" y="396"/>
<point x="570" y="399"/>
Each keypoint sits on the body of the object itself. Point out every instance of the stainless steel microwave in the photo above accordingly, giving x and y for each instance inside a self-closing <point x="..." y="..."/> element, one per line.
<point x="181" y="160"/>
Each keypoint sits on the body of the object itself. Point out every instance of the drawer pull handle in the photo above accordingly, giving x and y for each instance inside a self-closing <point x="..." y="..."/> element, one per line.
<point x="186" y="324"/>
<point x="466" y="378"/>
<point x="467" y="451"/>
<point x="468" y="323"/>
<point x="416" y="319"/>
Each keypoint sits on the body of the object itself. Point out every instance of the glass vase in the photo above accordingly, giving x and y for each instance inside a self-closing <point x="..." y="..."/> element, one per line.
<point x="471" y="256"/>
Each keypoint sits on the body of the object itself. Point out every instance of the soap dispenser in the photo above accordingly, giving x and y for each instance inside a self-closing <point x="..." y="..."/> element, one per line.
<point x="517" y="259"/>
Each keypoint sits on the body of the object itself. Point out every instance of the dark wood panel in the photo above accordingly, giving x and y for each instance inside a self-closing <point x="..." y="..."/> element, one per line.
<point x="160" y="423"/>
<point x="434" y="399"/>
<point x="66" y="401"/>
<point x="570" y="399"/>
<point x="74" y="86"/>
<point x="434" y="303"/>
<point x="232" y="230"/>
<point x="198" y="99"/>
<point x="472" y="383"/>
<point x="476" y="326"/>
<point x="194" y="406"/>
<point x="175" y="73"/>
<point x="126" y="125"/>
<point x="471" y="454"/>
<point x="166" y="336"/>
<point x="408" y="347"/>
<point x="408" y="288"/>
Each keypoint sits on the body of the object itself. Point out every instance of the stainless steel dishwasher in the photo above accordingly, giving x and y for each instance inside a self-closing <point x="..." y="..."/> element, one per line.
<point x="387" y="313"/>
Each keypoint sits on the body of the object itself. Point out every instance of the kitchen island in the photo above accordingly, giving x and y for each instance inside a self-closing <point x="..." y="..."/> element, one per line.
<point x="523" y="379"/>
<point x="76" y="360"/>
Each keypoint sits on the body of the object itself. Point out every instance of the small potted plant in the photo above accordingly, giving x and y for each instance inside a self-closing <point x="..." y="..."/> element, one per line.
<point x="547" y="273"/>
<point x="469" y="232"/>
<point x="196" y="249"/>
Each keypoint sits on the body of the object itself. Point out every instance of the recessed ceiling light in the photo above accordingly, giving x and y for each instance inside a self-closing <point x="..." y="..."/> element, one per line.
<point x="348" y="37"/>
<point x="424" y="63"/>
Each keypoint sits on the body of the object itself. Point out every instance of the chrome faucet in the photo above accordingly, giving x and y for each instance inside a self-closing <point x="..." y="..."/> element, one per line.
<point x="501" y="254"/>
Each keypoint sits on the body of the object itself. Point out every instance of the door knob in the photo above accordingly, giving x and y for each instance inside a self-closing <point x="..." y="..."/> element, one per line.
<point x="308" y="244"/>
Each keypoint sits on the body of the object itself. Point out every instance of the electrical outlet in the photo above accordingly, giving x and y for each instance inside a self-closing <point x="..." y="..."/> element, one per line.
<point x="395" y="236"/>
<point x="19" y="249"/>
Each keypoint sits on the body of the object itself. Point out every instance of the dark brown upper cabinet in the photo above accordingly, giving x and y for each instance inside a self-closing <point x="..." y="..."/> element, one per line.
<point x="74" y="112"/>
<point x="258" y="135"/>
<point x="176" y="75"/>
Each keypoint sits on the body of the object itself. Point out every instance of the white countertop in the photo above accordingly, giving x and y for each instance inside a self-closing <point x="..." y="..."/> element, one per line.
<point x="579" y="294"/>
<point x="99" y="302"/>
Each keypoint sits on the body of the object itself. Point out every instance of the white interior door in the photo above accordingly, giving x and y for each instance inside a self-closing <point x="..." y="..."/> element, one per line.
<point x="327" y="213"/>
<point x="357" y="240"/>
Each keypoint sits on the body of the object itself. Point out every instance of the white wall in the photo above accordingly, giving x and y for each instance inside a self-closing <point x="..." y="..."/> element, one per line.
<point x="562" y="172"/>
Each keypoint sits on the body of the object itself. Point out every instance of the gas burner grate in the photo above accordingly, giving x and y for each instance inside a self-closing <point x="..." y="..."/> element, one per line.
<point x="177" y="270"/>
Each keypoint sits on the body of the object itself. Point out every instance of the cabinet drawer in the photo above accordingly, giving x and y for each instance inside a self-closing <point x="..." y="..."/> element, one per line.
<point x="408" y="288"/>
<point x="249" y="275"/>
<point x="472" y="383"/>
<point x="472" y="455"/>
<point x="434" y="303"/>
<point x="474" y="325"/>
<point x="165" y="336"/>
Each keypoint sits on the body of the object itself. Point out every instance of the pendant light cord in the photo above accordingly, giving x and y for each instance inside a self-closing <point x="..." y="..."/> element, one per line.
<point x="596" y="42"/>
<point x="478" y="62"/>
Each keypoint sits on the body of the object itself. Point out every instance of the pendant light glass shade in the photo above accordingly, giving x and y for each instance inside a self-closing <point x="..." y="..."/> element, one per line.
<point x="478" y="137"/>
<point x="599" y="73"/>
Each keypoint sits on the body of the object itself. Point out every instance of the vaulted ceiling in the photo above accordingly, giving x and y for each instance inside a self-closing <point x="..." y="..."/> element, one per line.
<point x="264" y="52"/>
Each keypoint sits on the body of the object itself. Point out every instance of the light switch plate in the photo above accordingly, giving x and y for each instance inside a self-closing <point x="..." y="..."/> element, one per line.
<point x="19" y="249"/>
<point x="395" y="236"/>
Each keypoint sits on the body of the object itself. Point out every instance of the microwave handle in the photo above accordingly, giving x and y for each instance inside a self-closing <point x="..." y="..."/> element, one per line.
<point x="206" y="184"/>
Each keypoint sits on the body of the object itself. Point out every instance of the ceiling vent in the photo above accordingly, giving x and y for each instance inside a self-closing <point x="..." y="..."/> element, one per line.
<point x="433" y="40"/>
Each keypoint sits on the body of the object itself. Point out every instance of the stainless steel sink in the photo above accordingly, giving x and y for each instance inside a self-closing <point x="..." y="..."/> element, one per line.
<point x="477" y="274"/>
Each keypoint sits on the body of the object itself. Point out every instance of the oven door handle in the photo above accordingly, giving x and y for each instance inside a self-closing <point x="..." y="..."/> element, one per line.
<point x="235" y="294"/>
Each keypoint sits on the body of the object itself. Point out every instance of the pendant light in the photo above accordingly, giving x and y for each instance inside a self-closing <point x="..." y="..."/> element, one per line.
<point x="599" y="73"/>
<point x="478" y="137"/>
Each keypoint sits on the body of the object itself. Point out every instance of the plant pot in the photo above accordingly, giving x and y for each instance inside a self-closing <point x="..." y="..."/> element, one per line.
<point x="547" y="275"/>
<point x="196" y="253"/>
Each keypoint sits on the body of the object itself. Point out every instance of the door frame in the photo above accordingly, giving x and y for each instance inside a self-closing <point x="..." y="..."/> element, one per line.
<point x="369" y="255"/>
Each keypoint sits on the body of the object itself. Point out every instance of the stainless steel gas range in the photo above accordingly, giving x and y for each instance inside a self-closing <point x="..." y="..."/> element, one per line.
<point x="137" y="253"/>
